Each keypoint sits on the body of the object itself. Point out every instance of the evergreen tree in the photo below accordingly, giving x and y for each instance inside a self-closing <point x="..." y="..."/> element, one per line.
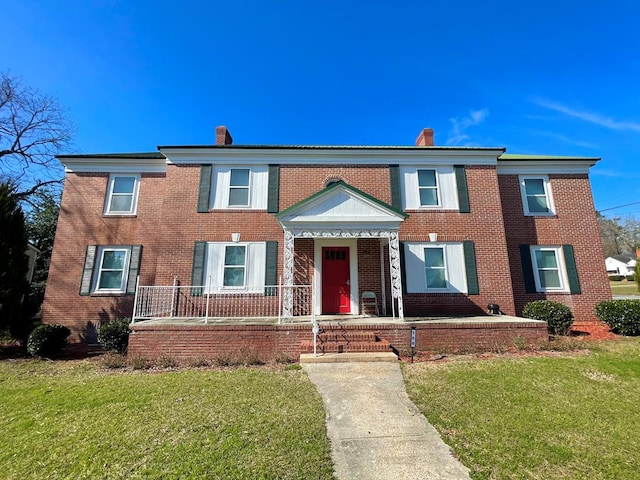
<point x="13" y="265"/>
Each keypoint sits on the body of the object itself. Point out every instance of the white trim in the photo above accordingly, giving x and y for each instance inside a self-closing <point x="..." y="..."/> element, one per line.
<point x="254" y="273"/>
<point x="539" y="167"/>
<point x="352" y="243"/>
<point x="447" y="189"/>
<point x="134" y="199"/>
<point x="562" y="268"/>
<point x="125" y="269"/>
<point x="546" y="185"/>
<point x="114" y="165"/>
<point x="331" y="156"/>
<point x="415" y="267"/>
<point x="258" y="187"/>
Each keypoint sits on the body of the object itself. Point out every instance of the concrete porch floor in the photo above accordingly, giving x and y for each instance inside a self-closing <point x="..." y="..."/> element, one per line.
<point x="341" y="319"/>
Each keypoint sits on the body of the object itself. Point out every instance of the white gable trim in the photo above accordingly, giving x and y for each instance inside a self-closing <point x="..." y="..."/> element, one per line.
<point x="341" y="207"/>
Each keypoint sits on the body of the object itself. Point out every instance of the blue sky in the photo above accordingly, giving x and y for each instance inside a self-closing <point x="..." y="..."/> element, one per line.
<point x="550" y="77"/>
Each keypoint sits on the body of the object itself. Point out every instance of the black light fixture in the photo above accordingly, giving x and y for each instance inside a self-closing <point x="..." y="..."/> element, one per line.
<point x="494" y="309"/>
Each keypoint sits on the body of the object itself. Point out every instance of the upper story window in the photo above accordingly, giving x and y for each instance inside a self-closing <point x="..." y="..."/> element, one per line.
<point x="536" y="195"/>
<point x="425" y="188"/>
<point x="428" y="188"/>
<point x="122" y="196"/>
<point x="242" y="187"/>
<point x="239" y="187"/>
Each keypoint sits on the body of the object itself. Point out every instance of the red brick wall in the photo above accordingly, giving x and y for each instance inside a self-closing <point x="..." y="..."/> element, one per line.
<point x="81" y="223"/>
<point x="575" y="223"/>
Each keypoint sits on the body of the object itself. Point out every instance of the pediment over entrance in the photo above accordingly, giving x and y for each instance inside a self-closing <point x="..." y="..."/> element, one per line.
<point x="341" y="205"/>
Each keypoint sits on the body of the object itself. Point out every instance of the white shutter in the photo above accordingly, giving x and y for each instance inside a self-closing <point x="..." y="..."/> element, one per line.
<point x="448" y="188"/>
<point x="256" y="262"/>
<point x="221" y="181"/>
<point x="455" y="268"/>
<point x="213" y="272"/>
<point x="414" y="267"/>
<point x="259" y="187"/>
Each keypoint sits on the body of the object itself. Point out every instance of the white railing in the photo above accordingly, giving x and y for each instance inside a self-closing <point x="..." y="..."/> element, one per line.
<point x="180" y="301"/>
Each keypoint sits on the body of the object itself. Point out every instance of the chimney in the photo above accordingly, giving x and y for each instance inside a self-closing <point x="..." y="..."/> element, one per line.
<point x="223" y="137"/>
<point x="425" y="139"/>
<point x="638" y="253"/>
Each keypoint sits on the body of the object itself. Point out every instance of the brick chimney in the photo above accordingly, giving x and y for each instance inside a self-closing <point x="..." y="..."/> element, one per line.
<point x="425" y="139"/>
<point x="638" y="253"/>
<point x="223" y="137"/>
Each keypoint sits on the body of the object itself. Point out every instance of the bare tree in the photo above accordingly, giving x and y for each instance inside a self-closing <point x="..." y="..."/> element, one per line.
<point x="33" y="129"/>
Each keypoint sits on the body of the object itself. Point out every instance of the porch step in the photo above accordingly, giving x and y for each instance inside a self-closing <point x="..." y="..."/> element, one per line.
<point x="333" y="336"/>
<point x="349" y="357"/>
<point x="344" y="347"/>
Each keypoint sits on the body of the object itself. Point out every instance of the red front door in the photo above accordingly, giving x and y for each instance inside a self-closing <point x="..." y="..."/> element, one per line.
<point x="336" y="288"/>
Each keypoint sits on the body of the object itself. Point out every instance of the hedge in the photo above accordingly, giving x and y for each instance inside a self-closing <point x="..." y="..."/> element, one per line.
<point x="622" y="316"/>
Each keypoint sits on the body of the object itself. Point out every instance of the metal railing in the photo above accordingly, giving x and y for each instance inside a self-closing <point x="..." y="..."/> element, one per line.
<point x="208" y="302"/>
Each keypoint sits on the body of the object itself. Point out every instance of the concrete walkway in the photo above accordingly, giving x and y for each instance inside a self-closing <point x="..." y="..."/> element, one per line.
<point x="376" y="432"/>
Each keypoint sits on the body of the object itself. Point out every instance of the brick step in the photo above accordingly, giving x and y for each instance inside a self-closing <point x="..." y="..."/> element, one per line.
<point x="346" y="347"/>
<point x="343" y="336"/>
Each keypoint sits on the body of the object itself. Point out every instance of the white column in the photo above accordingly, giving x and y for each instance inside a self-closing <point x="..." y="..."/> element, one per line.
<point x="287" y="294"/>
<point x="395" y="270"/>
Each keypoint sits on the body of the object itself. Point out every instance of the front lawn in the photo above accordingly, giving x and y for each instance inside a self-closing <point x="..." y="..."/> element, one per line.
<point x="569" y="416"/>
<point x="624" y="288"/>
<point x="75" y="420"/>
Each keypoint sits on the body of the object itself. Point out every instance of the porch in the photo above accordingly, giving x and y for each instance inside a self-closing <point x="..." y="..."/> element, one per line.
<point x="267" y="339"/>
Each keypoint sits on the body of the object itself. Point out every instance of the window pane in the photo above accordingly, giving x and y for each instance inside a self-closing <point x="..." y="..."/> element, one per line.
<point x="436" y="279"/>
<point x="239" y="177"/>
<point x="537" y="204"/>
<point x="428" y="196"/>
<point x="434" y="257"/>
<point x="239" y="196"/>
<point x="549" y="279"/>
<point x="427" y="178"/>
<point x="123" y="184"/>
<point x="111" y="280"/>
<point x="546" y="259"/>
<point x="121" y="203"/>
<point x="233" y="277"/>
<point x="114" y="260"/>
<point x="534" y="186"/>
<point x="234" y="255"/>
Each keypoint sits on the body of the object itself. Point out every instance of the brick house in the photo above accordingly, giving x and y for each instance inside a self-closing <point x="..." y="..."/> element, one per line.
<point x="430" y="230"/>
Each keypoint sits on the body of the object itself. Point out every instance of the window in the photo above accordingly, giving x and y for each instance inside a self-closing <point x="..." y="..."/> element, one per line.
<point x="435" y="268"/>
<point x="112" y="267"/>
<point x="235" y="264"/>
<point x="123" y="194"/>
<point x="548" y="269"/>
<point x="239" y="187"/>
<point x="536" y="195"/>
<point x="428" y="188"/>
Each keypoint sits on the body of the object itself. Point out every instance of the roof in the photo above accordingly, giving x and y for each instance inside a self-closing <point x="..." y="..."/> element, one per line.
<point x="517" y="156"/>
<point x="333" y="147"/>
<point x="624" y="257"/>
<point x="116" y="155"/>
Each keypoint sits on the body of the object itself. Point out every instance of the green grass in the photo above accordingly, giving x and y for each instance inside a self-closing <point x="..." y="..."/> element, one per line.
<point x="572" y="416"/>
<point x="73" y="420"/>
<point x="624" y="288"/>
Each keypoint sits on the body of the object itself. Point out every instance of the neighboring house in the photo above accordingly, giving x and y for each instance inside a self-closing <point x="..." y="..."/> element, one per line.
<point x="32" y="255"/>
<point x="624" y="264"/>
<point x="431" y="230"/>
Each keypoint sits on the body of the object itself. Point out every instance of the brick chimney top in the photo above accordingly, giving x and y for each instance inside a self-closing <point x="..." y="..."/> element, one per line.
<point x="223" y="137"/>
<point x="425" y="139"/>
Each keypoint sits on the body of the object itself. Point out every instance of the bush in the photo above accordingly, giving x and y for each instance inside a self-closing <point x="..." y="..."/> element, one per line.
<point x="114" y="336"/>
<point x="616" y="278"/>
<point x="631" y="278"/>
<point x="557" y="315"/>
<point x="622" y="316"/>
<point x="47" y="340"/>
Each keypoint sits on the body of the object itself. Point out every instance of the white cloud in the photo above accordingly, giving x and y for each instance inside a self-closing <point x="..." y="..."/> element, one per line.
<point x="570" y="141"/>
<point x="590" y="117"/>
<point x="457" y="134"/>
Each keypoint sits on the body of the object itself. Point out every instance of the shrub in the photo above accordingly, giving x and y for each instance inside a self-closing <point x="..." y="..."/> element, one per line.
<point x="616" y="278"/>
<point x="47" y="340"/>
<point x="622" y="316"/>
<point x="631" y="278"/>
<point x="557" y="315"/>
<point x="114" y="336"/>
